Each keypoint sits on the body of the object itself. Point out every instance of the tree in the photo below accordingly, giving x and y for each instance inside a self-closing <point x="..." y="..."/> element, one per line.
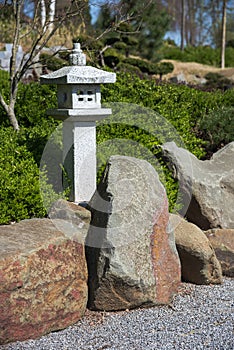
<point x="131" y="27"/>
<point x="223" y="42"/>
<point x="182" y="31"/>
<point x="40" y="29"/>
<point x="199" y="22"/>
<point x="105" y="18"/>
<point x="149" y="23"/>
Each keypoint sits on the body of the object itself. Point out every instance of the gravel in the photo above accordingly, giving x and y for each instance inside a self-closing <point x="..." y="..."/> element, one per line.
<point x="199" y="317"/>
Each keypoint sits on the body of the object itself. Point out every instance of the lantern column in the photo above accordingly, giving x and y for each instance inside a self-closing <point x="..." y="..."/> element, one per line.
<point x="79" y="106"/>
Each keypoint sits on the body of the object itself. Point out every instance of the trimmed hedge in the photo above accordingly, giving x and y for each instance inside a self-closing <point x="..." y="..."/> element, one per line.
<point x="149" y="67"/>
<point x="217" y="127"/>
<point x="199" y="54"/>
<point x="19" y="183"/>
<point x="52" y="62"/>
<point x="184" y="108"/>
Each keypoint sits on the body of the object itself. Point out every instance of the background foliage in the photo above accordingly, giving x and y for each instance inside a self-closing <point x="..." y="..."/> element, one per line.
<point x="203" y="120"/>
<point x="126" y="37"/>
<point x="201" y="54"/>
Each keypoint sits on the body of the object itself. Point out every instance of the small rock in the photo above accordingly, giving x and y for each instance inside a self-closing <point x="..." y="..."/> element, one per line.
<point x="179" y="78"/>
<point x="72" y="219"/>
<point x="199" y="263"/>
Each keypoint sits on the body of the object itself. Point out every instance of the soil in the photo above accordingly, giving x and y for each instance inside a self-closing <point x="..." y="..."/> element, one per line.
<point x="193" y="71"/>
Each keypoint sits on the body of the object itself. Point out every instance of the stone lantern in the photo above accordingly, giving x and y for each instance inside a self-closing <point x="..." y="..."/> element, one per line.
<point x="79" y="106"/>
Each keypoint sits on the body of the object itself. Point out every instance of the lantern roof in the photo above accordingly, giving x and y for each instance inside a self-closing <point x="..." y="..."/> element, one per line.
<point x="78" y="72"/>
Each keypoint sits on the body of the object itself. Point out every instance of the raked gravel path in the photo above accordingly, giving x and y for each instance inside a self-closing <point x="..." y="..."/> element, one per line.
<point x="200" y="317"/>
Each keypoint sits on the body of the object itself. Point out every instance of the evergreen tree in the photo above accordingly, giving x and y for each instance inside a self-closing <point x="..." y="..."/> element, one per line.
<point x="145" y="24"/>
<point x="105" y="18"/>
<point x="150" y="21"/>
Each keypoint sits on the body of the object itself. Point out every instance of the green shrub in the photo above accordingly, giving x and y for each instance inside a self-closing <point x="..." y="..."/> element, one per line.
<point x="164" y="68"/>
<point x="229" y="57"/>
<point x="128" y="68"/>
<point x="31" y="110"/>
<point x="200" y="54"/>
<point x="218" y="81"/>
<point x="180" y="105"/>
<point x="20" y="153"/>
<point x="112" y="57"/>
<point x="149" y="67"/>
<point x="52" y="62"/>
<point x="217" y="127"/>
<point x="171" y="53"/>
<point x="19" y="184"/>
<point x="32" y="102"/>
<point x="120" y="46"/>
<point x="4" y="90"/>
<point x="20" y="192"/>
<point x="144" y="66"/>
<point x="184" y="108"/>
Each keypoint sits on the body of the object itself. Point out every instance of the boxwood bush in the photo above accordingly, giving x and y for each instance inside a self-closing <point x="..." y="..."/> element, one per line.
<point x="20" y="153"/>
<point x="19" y="182"/>
<point x="184" y="108"/>
<point x="199" y="54"/>
<point x="217" y="127"/>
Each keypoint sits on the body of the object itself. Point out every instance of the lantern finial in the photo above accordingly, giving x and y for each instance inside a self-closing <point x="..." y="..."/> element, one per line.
<point x="77" y="57"/>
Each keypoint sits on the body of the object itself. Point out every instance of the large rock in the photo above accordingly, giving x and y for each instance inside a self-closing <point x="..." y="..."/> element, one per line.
<point x="207" y="186"/>
<point x="132" y="259"/>
<point x="43" y="280"/>
<point x="199" y="263"/>
<point x="223" y="243"/>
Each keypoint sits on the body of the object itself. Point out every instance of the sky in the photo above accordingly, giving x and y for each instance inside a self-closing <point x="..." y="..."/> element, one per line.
<point x="94" y="9"/>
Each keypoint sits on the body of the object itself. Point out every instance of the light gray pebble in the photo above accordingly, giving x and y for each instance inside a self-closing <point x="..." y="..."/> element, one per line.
<point x="200" y="317"/>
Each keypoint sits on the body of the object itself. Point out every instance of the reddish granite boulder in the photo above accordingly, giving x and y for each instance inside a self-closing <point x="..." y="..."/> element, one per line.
<point x="43" y="280"/>
<point x="199" y="263"/>
<point x="222" y="240"/>
<point x="132" y="259"/>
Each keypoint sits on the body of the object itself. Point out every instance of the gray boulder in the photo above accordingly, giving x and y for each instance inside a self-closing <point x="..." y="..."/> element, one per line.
<point x="179" y="78"/>
<point x="71" y="219"/>
<point x="199" y="263"/>
<point x="132" y="259"/>
<point x="207" y="186"/>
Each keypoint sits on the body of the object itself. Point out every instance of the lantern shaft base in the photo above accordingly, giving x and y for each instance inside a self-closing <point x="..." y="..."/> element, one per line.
<point x="79" y="144"/>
